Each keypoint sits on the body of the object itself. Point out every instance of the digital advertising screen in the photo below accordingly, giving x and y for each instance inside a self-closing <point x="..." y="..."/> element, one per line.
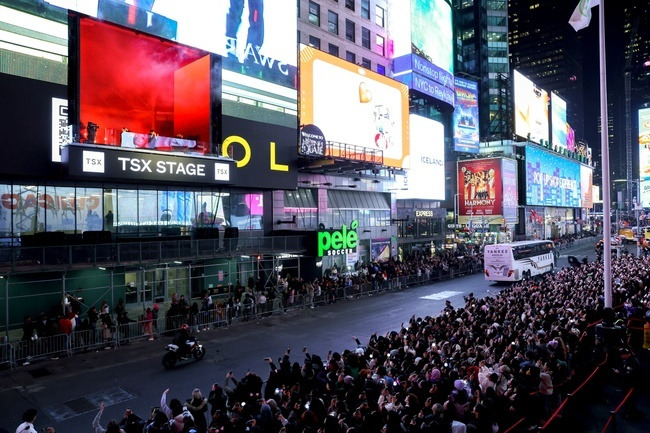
<point x="480" y="187"/>
<point x="586" y="186"/>
<point x="354" y="106"/>
<point x="422" y="51"/>
<point x="427" y="161"/>
<point x="138" y="91"/>
<point x="644" y="155"/>
<point x="559" y="126"/>
<point x="510" y="190"/>
<point x="551" y="180"/>
<point x="531" y="109"/>
<point x="253" y="33"/>
<point x="465" y="118"/>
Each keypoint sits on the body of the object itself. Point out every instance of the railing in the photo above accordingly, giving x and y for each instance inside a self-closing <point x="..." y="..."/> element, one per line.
<point x="81" y="341"/>
<point x="56" y="257"/>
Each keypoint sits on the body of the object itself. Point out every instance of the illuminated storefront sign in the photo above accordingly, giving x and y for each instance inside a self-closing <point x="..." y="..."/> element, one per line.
<point x="337" y="242"/>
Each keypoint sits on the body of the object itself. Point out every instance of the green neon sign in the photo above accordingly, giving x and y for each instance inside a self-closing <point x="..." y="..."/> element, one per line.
<point x="338" y="242"/>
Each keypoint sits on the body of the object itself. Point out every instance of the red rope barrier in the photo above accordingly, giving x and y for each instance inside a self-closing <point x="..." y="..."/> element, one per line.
<point x="613" y="414"/>
<point x="514" y="425"/>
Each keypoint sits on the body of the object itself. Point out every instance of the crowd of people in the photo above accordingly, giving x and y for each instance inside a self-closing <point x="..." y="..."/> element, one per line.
<point x="477" y="367"/>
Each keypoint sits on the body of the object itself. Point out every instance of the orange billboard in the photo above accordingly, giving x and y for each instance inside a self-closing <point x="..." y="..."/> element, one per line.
<point x="354" y="106"/>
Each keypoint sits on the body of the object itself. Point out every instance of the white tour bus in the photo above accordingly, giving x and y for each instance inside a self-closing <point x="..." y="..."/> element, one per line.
<point x="518" y="260"/>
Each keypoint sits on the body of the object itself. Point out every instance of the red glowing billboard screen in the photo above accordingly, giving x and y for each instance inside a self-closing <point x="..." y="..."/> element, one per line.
<point x="479" y="187"/>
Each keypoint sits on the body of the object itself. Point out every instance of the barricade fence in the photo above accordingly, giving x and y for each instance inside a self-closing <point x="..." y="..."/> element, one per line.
<point x="100" y="337"/>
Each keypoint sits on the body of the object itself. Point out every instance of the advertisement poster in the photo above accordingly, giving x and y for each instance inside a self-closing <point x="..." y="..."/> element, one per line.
<point x="559" y="127"/>
<point x="479" y="187"/>
<point x="465" y="118"/>
<point x="432" y="42"/>
<point x="355" y="106"/>
<point x="551" y="180"/>
<point x="531" y="109"/>
<point x="586" y="186"/>
<point x="380" y="249"/>
<point x="510" y="190"/>
<point x="644" y="155"/>
<point x="427" y="161"/>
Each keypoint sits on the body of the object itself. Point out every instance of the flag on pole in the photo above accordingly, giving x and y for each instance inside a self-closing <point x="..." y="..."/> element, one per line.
<point x="582" y="14"/>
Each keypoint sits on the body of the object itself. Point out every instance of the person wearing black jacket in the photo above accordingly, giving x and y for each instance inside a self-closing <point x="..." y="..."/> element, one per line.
<point x="131" y="423"/>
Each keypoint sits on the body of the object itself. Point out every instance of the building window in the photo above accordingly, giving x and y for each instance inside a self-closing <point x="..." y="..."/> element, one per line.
<point x="333" y="22"/>
<point x="365" y="9"/>
<point x="380" y="45"/>
<point x="350" y="57"/>
<point x="314" y="42"/>
<point x="314" y="13"/>
<point x="333" y="50"/>
<point x="381" y="69"/>
<point x="380" y="16"/>
<point x="365" y="37"/>
<point x="349" y="4"/>
<point x="366" y="63"/>
<point x="349" y="30"/>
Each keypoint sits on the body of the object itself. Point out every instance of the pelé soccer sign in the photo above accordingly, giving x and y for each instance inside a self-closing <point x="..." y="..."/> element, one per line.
<point x="337" y="242"/>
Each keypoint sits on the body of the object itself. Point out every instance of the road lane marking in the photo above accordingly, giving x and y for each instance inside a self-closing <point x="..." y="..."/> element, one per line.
<point x="440" y="295"/>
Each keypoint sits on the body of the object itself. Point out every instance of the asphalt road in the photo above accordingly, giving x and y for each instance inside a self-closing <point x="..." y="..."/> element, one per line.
<point x="69" y="390"/>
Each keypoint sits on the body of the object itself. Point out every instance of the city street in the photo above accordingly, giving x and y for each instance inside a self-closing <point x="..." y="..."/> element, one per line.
<point x="69" y="390"/>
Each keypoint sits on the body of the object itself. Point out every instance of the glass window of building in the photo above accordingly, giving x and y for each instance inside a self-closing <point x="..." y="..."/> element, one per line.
<point x="333" y="22"/>
<point x="314" y="13"/>
<point x="349" y="4"/>
<point x="365" y="37"/>
<point x="380" y="45"/>
<point x="366" y="63"/>
<point x="349" y="30"/>
<point x="380" y="16"/>
<point x="89" y="210"/>
<point x="381" y="69"/>
<point x="350" y="57"/>
<point x="365" y="9"/>
<point x="314" y="42"/>
<point x="333" y="49"/>
<point x="127" y="212"/>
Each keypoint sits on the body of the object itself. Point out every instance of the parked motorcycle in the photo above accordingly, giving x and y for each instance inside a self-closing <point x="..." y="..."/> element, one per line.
<point x="196" y="351"/>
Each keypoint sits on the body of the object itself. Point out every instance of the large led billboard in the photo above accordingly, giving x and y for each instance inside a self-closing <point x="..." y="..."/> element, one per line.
<point x="559" y="125"/>
<point x="480" y="187"/>
<point x="551" y="180"/>
<point x="253" y="33"/>
<point x="354" y="106"/>
<point x="427" y="161"/>
<point x="465" y="118"/>
<point x="510" y="190"/>
<point x="586" y="186"/>
<point x="531" y="109"/>
<point x="423" y="46"/>
<point x="644" y="155"/>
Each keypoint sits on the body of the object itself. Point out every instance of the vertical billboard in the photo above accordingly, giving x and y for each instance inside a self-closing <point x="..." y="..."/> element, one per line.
<point x="559" y="126"/>
<point x="551" y="180"/>
<point x="644" y="155"/>
<point x="354" y="106"/>
<point x="510" y="190"/>
<point x="480" y="187"/>
<point x="427" y="161"/>
<point x="586" y="186"/>
<point x="531" y="109"/>
<point x="465" y="118"/>
<point x="423" y="46"/>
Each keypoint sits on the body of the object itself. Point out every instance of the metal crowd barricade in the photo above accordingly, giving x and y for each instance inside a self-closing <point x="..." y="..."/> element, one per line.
<point x="51" y="346"/>
<point x="7" y="355"/>
<point x="87" y="339"/>
<point x="131" y="331"/>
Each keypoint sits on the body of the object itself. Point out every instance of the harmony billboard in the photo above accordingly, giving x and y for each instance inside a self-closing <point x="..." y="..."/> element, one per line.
<point x="531" y="109"/>
<point x="551" y="180"/>
<point x="480" y="187"/>
<point x="559" y="125"/>
<point x="465" y="118"/>
<point x="423" y="52"/>
<point x="427" y="161"/>
<point x="354" y="106"/>
<point x="644" y="155"/>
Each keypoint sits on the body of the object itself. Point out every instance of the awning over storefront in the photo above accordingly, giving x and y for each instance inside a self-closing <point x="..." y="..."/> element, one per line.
<point x="301" y="199"/>
<point x="339" y="199"/>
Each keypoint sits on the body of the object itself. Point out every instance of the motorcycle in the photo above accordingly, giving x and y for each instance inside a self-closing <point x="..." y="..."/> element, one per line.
<point x="196" y="351"/>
